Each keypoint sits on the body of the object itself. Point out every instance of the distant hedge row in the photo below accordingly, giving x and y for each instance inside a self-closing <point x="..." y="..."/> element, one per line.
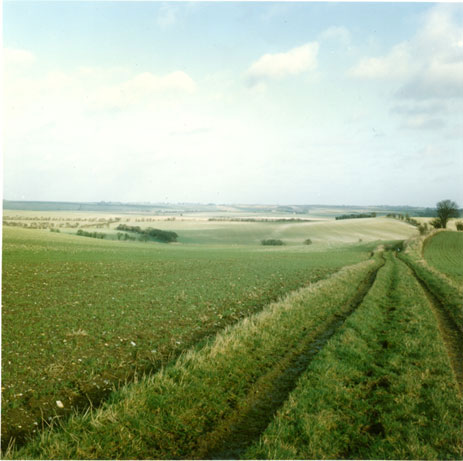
<point x="357" y="215"/>
<point x="278" y="242"/>
<point x="156" y="234"/>
<point x="96" y="235"/>
<point x="275" y="242"/>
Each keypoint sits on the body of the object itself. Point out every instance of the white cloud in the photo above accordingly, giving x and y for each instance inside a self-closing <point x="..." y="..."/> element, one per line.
<point x="439" y="80"/>
<point x="167" y="15"/>
<point x="338" y="33"/>
<point x="142" y="87"/>
<point x="429" y="65"/>
<point x="420" y="108"/>
<point x="279" y="65"/>
<point x="396" y="64"/>
<point x="422" y="122"/>
<point x="17" y="57"/>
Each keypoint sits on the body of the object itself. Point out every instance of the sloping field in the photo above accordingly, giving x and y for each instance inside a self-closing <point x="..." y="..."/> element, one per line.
<point x="345" y="231"/>
<point x="292" y="233"/>
<point x="81" y="314"/>
<point x="444" y="251"/>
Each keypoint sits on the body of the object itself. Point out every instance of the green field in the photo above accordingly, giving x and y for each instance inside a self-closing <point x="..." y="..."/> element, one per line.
<point x="444" y="251"/>
<point x="94" y="312"/>
<point x="217" y="346"/>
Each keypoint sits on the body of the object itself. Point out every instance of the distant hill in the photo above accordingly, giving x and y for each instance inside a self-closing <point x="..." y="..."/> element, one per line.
<point x="327" y="211"/>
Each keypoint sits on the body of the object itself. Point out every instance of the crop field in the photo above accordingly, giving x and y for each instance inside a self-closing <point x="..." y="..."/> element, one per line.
<point x="217" y="347"/>
<point x="444" y="251"/>
<point x="96" y="312"/>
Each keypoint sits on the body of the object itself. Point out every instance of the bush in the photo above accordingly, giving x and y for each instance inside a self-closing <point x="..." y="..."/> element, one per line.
<point x="436" y="223"/>
<point x="272" y="242"/>
<point x="156" y="234"/>
<point x="459" y="225"/>
<point x="307" y="242"/>
<point x="423" y="228"/>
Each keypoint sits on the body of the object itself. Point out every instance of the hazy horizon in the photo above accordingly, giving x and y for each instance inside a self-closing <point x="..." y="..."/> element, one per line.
<point x="355" y="104"/>
<point x="238" y="204"/>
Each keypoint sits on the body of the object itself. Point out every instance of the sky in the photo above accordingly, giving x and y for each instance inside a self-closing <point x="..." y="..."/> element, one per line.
<point x="233" y="102"/>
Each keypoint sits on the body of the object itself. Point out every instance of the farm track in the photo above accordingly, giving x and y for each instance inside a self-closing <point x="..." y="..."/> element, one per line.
<point x="451" y="333"/>
<point x="235" y="434"/>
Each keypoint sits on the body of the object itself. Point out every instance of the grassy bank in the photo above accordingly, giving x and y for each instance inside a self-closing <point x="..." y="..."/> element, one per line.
<point x="382" y="388"/>
<point x="170" y="414"/>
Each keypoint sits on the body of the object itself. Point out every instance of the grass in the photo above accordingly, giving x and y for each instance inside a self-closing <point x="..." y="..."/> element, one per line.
<point x="170" y="414"/>
<point x="444" y="251"/>
<point x="80" y="314"/>
<point x="382" y="388"/>
<point x="448" y="291"/>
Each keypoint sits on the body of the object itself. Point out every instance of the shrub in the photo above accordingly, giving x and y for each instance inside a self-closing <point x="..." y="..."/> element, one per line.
<point x="459" y="225"/>
<point x="307" y="242"/>
<point x="423" y="228"/>
<point x="436" y="223"/>
<point x="156" y="234"/>
<point x="272" y="242"/>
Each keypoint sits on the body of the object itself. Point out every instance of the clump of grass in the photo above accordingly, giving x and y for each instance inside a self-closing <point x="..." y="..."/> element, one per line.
<point x="167" y="415"/>
<point x="381" y="389"/>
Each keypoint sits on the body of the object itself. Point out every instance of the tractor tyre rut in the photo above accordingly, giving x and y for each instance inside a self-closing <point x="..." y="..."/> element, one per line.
<point x="250" y="419"/>
<point x="450" y="332"/>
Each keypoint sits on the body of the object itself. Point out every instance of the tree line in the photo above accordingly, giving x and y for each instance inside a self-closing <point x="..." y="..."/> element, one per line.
<point x="356" y="215"/>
